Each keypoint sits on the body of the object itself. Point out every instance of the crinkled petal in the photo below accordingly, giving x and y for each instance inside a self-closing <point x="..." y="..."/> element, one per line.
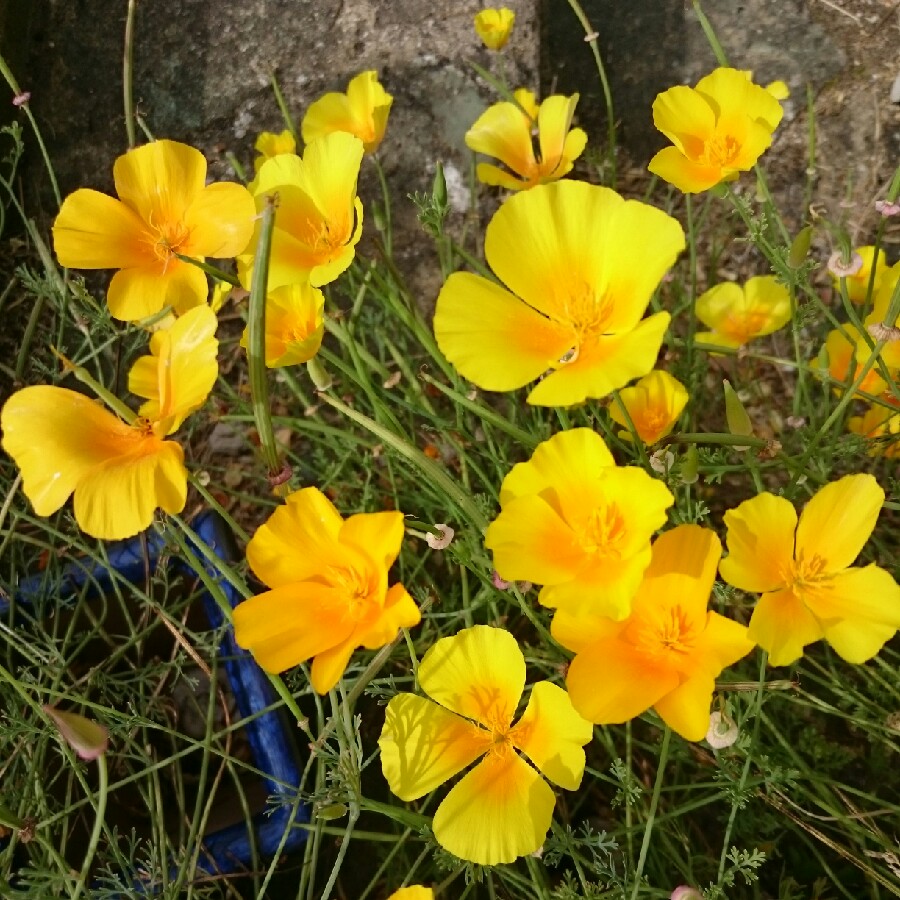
<point x="298" y="539"/>
<point x="377" y="534"/>
<point x="137" y="293"/>
<point x="838" y="520"/>
<point x="732" y="90"/>
<point x="478" y="673"/>
<point x="183" y="361"/>
<point x="497" y="177"/>
<point x="551" y="734"/>
<point x="399" y="611"/>
<point x="578" y="627"/>
<point x="331" y="112"/>
<point x="782" y="625"/>
<point x="545" y="244"/>
<point x="610" y="683"/>
<point x="160" y="180"/>
<point x="691" y="551"/>
<point x="722" y="643"/>
<point x="869" y="594"/>
<point x="291" y="624"/>
<point x="684" y="117"/>
<point x="858" y="641"/>
<point x="95" y="231"/>
<point x="530" y="542"/>
<point x="500" y="811"/>
<point x="423" y="745"/>
<point x="117" y="499"/>
<point x="564" y="463"/>
<point x="600" y="369"/>
<point x="760" y="541"/>
<point x="554" y="121"/>
<point x="221" y="221"/>
<point x="686" y="709"/>
<point x="493" y="338"/>
<point x="688" y="176"/>
<point x="503" y="132"/>
<point x="715" y="305"/>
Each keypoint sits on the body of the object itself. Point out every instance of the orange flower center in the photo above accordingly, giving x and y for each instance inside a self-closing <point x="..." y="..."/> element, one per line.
<point x="603" y="532"/>
<point x="744" y="326"/>
<point x="168" y="239"/>
<point x="668" y="632"/>
<point x="586" y="315"/>
<point x="354" y="585"/>
<point x="807" y="572"/>
<point x="720" y="151"/>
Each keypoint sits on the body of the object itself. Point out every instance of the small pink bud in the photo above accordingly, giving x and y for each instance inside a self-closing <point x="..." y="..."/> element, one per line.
<point x="499" y="583"/>
<point x="21" y="99"/>
<point x="683" y="892"/>
<point x="88" y="739"/>
<point x="887" y="207"/>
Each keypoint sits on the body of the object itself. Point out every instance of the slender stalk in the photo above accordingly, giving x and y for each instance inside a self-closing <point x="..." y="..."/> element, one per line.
<point x="285" y="112"/>
<point x="651" y="816"/>
<point x="256" y="343"/>
<point x="128" y="75"/>
<point x="590" y="36"/>
<point x="93" y="842"/>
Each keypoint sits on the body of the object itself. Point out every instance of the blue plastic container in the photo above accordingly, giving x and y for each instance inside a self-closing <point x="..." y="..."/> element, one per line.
<point x="229" y="850"/>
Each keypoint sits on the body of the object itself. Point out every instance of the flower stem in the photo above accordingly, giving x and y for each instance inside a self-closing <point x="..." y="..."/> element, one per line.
<point x="651" y="816"/>
<point x="102" y="792"/>
<point x="127" y="75"/>
<point x="256" y="343"/>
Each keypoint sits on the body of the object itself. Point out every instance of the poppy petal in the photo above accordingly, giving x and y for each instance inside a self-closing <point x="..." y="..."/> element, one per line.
<point x="422" y="745"/>
<point x="136" y="293"/>
<point x="500" y="811"/>
<point x="782" y="625"/>
<point x="551" y="734"/>
<point x="686" y="709"/>
<point x="220" y="220"/>
<point x="478" y="673"/>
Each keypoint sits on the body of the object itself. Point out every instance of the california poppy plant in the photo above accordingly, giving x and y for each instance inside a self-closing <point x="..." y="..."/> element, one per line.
<point x="668" y="653"/>
<point x="505" y="132"/>
<point x="294" y="325"/>
<point x="318" y="220"/>
<point x="804" y="571"/>
<point x="653" y="406"/>
<point x="844" y="353"/>
<point x="363" y="111"/>
<point x="329" y="587"/>
<point x="165" y="209"/>
<point x="120" y="472"/>
<point x="502" y="809"/>
<point x="738" y="314"/>
<point x="576" y="523"/>
<point x="578" y="266"/>
<point x="494" y="27"/>
<point x="413" y="892"/>
<point x="269" y="145"/>
<point x="719" y="129"/>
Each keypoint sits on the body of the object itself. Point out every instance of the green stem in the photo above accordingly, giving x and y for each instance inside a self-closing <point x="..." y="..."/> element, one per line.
<point x="102" y="793"/>
<point x="286" y="113"/>
<point x="128" y="74"/>
<point x="591" y="38"/>
<point x="214" y="271"/>
<point x="717" y="49"/>
<point x="651" y="816"/>
<point x="256" y="342"/>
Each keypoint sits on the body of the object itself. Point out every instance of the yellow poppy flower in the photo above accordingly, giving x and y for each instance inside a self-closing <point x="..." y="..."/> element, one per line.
<point x="738" y="314"/>
<point x="845" y="359"/>
<point x="294" y="325"/>
<point x="164" y="208"/>
<point x="576" y="523"/>
<point x="318" y="220"/>
<point x="414" y="892"/>
<point x="494" y="26"/>
<point x="502" y="809"/>
<point x="269" y="145"/>
<point x="719" y="128"/>
<point x="882" y="426"/>
<point x="505" y="131"/>
<point x="363" y="111"/>
<point x="858" y="283"/>
<point x="653" y="404"/>
<point x="181" y="370"/>
<point x="810" y="590"/>
<point x="577" y="266"/>
<point x="668" y="653"/>
<point x="65" y="443"/>
<point x="329" y="581"/>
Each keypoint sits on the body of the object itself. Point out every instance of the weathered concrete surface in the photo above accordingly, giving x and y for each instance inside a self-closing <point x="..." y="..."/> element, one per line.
<point x="202" y="75"/>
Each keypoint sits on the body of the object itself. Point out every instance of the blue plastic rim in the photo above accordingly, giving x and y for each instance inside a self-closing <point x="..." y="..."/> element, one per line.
<point x="229" y="850"/>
